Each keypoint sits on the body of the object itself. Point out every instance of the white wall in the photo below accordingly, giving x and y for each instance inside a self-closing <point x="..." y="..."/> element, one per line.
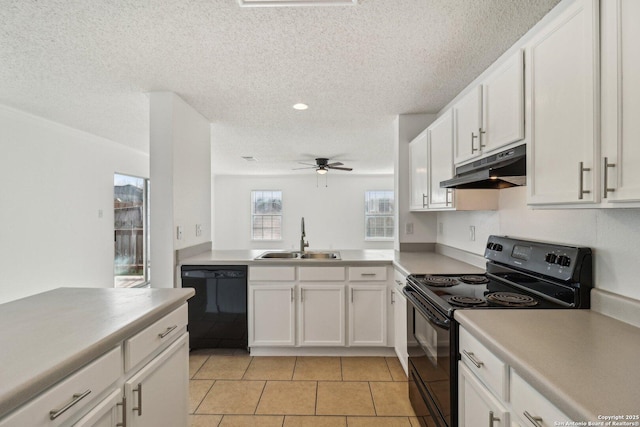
<point x="334" y="215"/>
<point x="613" y="234"/>
<point x="54" y="180"/>
<point x="180" y="148"/>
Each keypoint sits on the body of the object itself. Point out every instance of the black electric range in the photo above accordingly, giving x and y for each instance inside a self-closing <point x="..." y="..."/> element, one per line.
<point x="520" y="274"/>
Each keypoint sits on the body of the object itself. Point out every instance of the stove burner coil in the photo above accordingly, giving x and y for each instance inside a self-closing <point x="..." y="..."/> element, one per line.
<point x="439" y="281"/>
<point x="510" y="299"/>
<point x="474" y="280"/>
<point x="462" y="301"/>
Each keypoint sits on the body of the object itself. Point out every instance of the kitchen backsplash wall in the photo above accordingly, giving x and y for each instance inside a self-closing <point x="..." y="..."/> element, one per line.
<point x="334" y="215"/>
<point x="56" y="204"/>
<point x="613" y="234"/>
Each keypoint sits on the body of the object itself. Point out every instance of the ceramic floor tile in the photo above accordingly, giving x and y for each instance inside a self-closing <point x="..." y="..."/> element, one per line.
<point x="378" y="422"/>
<point x="288" y="398"/>
<point x="232" y="397"/>
<point x="427" y="420"/>
<point x="223" y="368"/>
<point x="270" y="368"/>
<point x="204" y="420"/>
<point x="195" y="363"/>
<point x="197" y="390"/>
<point x="252" y="421"/>
<point x="391" y="399"/>
<point x="365" y="369"/>
<point x="315" y="421"/>
<point x="318" y="369"/>
<point x="395" y="368"/>
<point x="344" y="398"/>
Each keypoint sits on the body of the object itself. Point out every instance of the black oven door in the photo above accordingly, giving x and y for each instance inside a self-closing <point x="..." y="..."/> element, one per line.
<point x="430" y="377"/>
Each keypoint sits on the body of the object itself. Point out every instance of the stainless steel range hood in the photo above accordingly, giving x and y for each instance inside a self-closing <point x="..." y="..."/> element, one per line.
<point x="501" y="170"/>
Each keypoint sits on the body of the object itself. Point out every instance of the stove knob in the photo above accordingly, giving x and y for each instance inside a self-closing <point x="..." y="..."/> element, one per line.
<point x="564" y="261"/>
<point x="550" y="258"/>
<point x="489" y="245"/>
<point x="497" y="247"/>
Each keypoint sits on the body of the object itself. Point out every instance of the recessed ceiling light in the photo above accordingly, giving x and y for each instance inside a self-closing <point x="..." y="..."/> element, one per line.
<point x="300" y="106"/>
<point x="266" y="3"/>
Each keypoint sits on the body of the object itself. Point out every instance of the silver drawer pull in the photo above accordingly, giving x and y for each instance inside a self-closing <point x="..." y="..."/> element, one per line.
<point x="536" y="421"/>
<point x="77" y="397"/>
<point x="367" y="274"/>
<point x="473" y="359"/>
<point x="492" y="418"/>
<point x="139" y="407"/>
<point x="168" y="331"/>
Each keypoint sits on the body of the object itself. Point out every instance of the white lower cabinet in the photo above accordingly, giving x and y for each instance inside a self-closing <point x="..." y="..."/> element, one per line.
<point x="368" y="315"/>
<point x="321" y="315"/>
<point x="157" y="395"/>
<point x="272" y="315"/>
<point x="477" y="405"/>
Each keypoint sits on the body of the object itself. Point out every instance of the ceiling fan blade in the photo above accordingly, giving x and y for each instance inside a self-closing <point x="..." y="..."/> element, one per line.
<point x="306" y="167"/>
<point x="334" y="164"/>
<point x="339" y="168"/>
<point x="308" y="164"/>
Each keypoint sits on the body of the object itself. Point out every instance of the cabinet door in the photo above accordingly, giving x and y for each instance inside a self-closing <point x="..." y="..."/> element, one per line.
<point x="271" y="315"/>
<point x="399" y="304"/>
<point x="476" y="405"/>
<point x="468" y="121"/>
<point x="368" y="315"/>
<point x="440" y="160"/>
<point x="620" y="101"/>
<point x="105" y="413"/>
<point x="531" y="407"/>
<point x="158" y="394"/>
<point x="321" y="315"/>
<point x="562" y="64"/>
<point x="419" y="177"/>
<point x="503" y="105"/>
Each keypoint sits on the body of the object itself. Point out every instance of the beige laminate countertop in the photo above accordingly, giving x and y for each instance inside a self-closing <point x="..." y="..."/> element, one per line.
<point x="582" y="361"/>
<point x="48" y="336"/>
<point x="406" y="262"/>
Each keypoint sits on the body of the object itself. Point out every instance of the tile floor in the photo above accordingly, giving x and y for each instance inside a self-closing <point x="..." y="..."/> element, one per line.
<point x="231" y="388"/>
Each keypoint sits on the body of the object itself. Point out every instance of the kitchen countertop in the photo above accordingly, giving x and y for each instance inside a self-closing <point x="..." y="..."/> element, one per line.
<point x="48" y="336"/>
<point x="585" y="363"/>
<point x="406" y="262"/>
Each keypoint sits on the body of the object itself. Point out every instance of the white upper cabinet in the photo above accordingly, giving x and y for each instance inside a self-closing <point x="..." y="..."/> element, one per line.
<point x="503" y="105"/>
<point x="468" y="124"/>
<point x="440" y="157"/>
<point x="419" y="177"/>
<point x="620" y="161"/>
<point x="562" y="74"/>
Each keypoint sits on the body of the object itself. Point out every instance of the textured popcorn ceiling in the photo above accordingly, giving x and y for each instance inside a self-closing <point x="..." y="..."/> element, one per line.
<point x="88" y="64"/>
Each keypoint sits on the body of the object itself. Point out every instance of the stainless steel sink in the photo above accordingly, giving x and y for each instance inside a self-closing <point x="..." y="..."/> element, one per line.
<point x="299" y="255"/>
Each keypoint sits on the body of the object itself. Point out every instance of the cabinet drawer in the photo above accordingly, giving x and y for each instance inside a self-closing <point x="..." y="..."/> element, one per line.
<point x="153" y="337"/>
<point x="359" y="274"/>
<point x="70" y="398"/>
<point x="528" y="402"/>
<point x="286" y="274"/>
<point x="321" y="274"/>
<point x="489" y="369"/>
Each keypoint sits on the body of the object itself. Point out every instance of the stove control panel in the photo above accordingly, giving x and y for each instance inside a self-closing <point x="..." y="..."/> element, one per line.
<point x="557" y="261"/>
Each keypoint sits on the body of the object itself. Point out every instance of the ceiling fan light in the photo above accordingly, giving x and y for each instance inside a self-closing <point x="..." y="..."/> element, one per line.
<point x="321" y="171"/>
<point x="300" y="106"/>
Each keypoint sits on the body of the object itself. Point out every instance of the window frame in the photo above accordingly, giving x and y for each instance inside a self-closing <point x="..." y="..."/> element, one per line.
<point x="252" y="215"/>
<point x="367" y="215"/>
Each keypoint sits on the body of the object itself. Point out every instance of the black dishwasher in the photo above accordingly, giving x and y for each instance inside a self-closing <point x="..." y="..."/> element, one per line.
<point x="218" y="310"/>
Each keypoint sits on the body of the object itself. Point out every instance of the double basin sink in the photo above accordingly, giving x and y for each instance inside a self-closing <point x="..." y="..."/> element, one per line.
<point x="299" y="255"/>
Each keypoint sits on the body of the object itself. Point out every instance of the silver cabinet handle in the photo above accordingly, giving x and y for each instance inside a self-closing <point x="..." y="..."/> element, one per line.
<point x="448" y="192"/>
<point x="352" y="295"/>
<point x="168" y="331"/>
<point x="424" y="203"/>
<point x="536" y="421"/>
<point x="77" y="397"/>
<point x="605" y="172"/>
<point x="301" y="295"/>
<point x="292" y="295"/>
<point x="481" y="132"/>
<point x="367" y="274"/>
<point x="473" y="359"/>
<point x="492" y="418"/>
<point x="393" y="297"/>
<point x="582" y="191"/>
<point x="124" y="412"/>
<point x="139" y="407"/>
<point x="473" y="148"/>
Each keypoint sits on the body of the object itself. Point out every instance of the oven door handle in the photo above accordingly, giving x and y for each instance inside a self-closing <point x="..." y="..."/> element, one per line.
<point x="424" y="308"/>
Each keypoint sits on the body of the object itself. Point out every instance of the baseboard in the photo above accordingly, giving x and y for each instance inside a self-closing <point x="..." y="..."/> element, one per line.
<point x="323" y="351"/>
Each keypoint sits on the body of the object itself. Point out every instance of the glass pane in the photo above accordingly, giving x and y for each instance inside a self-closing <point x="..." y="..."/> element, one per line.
<point x="379" y="209"/>
<point x="266" y="209"/>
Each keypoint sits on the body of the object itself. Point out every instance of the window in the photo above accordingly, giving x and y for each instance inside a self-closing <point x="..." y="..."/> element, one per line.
<point x="131" y="240"/>
<point x="266" y="215"/>
<point x="378" y="215"/>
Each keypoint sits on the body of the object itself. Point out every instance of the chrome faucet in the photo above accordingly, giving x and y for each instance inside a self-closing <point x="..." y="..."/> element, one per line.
<point x="303" y="244"/>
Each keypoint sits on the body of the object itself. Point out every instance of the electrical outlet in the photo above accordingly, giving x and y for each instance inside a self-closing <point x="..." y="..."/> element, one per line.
<point x="198" y="229"/>
<point x="472" y="233"/>
<point x="408" y="228"/>
<point x="179" y="232"/>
